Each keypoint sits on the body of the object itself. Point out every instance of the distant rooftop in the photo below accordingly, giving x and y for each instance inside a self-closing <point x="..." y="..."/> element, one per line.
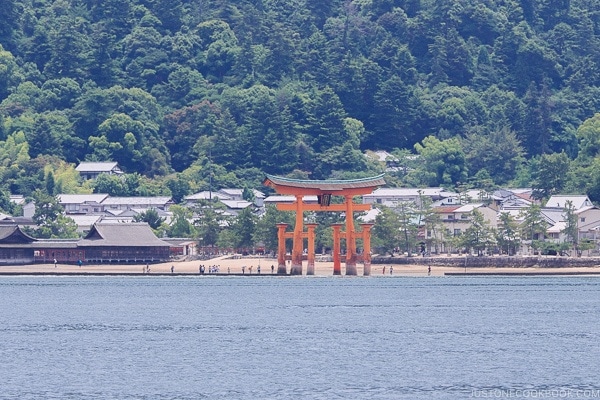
<point x="86" y="166"/>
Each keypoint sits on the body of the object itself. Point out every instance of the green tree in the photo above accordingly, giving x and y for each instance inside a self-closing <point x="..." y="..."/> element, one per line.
<point x="208" y="222"/>
<point x="266" y="227"/>
<point x="386" y="232"/>
<point x="507" y="235"/>
<point x="571" y="229"/>
<point x="49" y="218"/>
<point x="478" y="236"/>
<point x="550" y="175"/>
<point x="431" y="223"/>
<point x="117" y="185"/>
<point x="443" y="161"/>
<point x="498" y="152"/>
<point x="243" y="229"/>
<point x="181" y="225"/>
<point x="533" y="226"/>
<point x="151" y="217"/>
<point x="588" y="135"/>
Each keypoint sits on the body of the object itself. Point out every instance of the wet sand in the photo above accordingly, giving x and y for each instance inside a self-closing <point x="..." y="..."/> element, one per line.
<point x="233" y="266"/>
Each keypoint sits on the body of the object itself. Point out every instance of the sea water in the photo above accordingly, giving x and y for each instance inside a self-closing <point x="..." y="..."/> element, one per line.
<point x="299" y="337"/>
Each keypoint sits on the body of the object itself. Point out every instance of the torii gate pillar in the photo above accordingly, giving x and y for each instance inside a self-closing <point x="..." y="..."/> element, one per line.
<point x="366" y="237"/>
<point x="350" y="238"/>
<point x="310" y="268"/>
<point x="337" y="259"/>
<point x="297" y="246"/>
<point x="281" y="269"/>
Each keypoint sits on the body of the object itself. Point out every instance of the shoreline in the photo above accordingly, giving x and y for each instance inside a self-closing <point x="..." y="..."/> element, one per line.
<point x="233" y="267"/>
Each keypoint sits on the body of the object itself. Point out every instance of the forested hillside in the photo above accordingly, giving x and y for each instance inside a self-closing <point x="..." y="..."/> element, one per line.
<point x="491" y="92"/>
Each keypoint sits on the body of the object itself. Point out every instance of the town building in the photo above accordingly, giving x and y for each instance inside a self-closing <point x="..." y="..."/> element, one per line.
<point x="91" y="170"/>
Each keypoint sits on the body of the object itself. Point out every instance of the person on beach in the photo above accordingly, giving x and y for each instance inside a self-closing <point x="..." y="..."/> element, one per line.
<point x="391" y="269"/>
<point x="258" y="269"/>
<point x="272" y="269"/>
<point x="250" y="270"/>
<point x="55" y="263"/>
<point x="243" y="269"/>
<point x="384" y="270"/>
<point x="79" y="262"/>
<point x="172" y="268"/>
<point x="429" y="270"/>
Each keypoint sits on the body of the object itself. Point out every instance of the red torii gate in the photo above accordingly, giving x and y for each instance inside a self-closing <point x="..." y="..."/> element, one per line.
<point x="324" y="189"/>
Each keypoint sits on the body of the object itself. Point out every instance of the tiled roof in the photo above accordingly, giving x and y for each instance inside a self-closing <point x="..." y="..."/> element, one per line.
<point x="96" y="166"/>
<point x="121" y="234"/>
<point x="81" y="198"/>
<point x="14" y="234"/>
<point x="325" y="185"/>
<point x="136" y="200"/>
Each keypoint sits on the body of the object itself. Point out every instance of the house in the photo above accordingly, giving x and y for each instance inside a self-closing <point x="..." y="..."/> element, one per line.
<point x="578" y="201"/>
<point x="234" y="207"/>
<point x="115" y="242"/>
<point x="112" y="204"/>
<point x="390" y="161"/>
<point x="82" y="203"/>
<point x="238" y="194"/>
<point x="588" y="223"/>
<point x="205" y="195"/>
<point x="224" y="195"/>
<point x="91" y="170"/>
<point x="85" y="222"/>
<point x="457" y="219"/>
<point x="513" y="199"/>
<point x="392" y="197"/>
<point x="28" y="207"/>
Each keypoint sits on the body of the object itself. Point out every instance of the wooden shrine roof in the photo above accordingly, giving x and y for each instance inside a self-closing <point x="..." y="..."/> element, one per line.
<point x="288" y="185"/>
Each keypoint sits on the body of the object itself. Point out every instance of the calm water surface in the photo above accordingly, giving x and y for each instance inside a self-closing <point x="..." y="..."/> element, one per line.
<point x="297" y="338"/>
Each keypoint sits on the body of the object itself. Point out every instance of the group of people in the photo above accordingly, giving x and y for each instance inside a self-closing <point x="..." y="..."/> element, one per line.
<point x="212" y="269"/>
<point x="250" y="269"/>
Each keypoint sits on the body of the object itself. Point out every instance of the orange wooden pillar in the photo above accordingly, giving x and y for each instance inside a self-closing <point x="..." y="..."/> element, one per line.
<point x="298" y="241"/>
<point x="310" y="268"/>
<point x="337" y="262"/>
<point x="350" y="239"/>
<point x="366" y="237"/>
<point x="281" y="269"/>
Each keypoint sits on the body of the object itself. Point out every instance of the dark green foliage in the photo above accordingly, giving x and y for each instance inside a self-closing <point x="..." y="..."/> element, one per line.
<point x="151" y="217"/>
<point x="162" y="86"/>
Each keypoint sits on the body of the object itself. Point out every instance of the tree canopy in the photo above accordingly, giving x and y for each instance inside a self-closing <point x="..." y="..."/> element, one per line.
<point x="217" y="89"/>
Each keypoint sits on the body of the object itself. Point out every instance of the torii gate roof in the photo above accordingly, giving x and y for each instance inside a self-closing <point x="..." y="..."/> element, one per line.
<point x="317" y="187"/>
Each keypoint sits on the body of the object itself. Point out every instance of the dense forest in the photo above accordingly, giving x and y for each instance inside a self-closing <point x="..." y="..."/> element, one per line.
<point x="187" y="94"/>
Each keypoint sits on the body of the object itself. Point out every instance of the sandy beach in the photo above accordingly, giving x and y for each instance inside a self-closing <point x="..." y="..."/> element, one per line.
<point x="233" y="266"/>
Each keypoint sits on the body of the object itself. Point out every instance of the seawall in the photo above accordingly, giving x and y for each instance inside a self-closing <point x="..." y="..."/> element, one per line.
<point x="492" y="261"/>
